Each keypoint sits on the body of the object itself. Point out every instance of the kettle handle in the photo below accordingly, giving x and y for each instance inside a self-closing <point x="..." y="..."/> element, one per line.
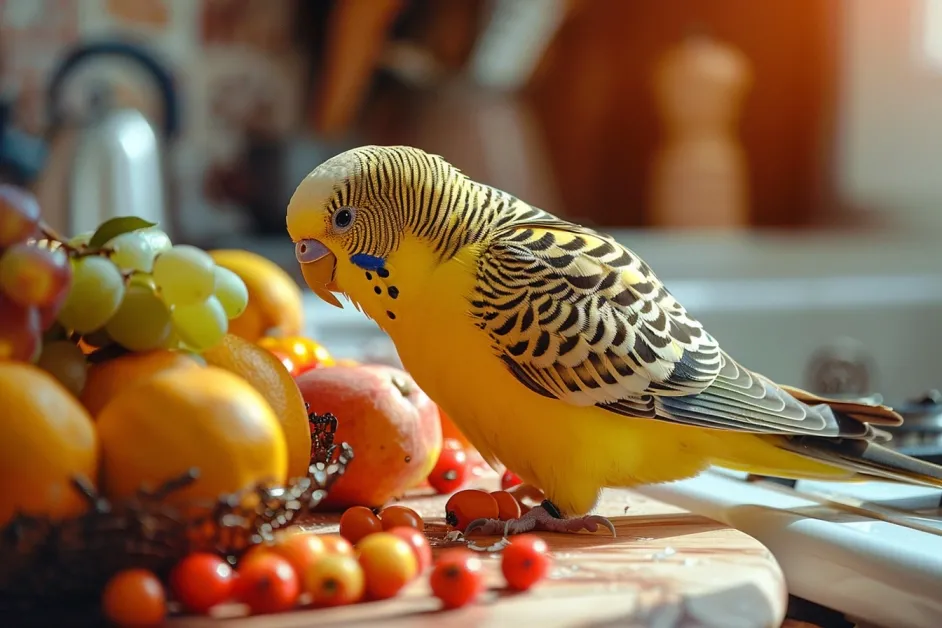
<point x="82" y="53"/>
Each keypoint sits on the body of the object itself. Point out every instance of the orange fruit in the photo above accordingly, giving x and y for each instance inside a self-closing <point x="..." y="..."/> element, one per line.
<point x="275" y="304"/>
<point x="264" y="371"/>
<point x="206" y="418"/>
<point x="105" y="379"/>
<point x="46" y="437"/>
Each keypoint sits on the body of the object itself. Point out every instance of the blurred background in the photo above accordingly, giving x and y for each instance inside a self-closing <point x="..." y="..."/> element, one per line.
<point x="779" y="163"/>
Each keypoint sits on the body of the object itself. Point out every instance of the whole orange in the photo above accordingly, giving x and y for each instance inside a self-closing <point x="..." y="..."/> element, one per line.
<point x="206" y="418"/>
<point x="268" y="375"/>
<point x="46" y="438"/>
<point x="107" y="378"/>
<point x="392" y="426"/>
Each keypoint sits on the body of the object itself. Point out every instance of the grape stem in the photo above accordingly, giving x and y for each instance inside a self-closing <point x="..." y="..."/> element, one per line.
<point x="51" y="234"/>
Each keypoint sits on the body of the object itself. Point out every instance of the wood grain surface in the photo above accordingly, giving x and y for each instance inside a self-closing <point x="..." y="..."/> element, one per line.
<point x="666" y="568"/>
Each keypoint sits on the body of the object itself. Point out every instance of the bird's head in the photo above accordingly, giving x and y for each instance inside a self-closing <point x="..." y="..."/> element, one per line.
<point x="353" y="209"/>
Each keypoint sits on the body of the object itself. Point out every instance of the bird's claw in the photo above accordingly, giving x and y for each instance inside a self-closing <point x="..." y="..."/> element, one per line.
<point x="487" y="526"/>
<point x="539" y="519"/>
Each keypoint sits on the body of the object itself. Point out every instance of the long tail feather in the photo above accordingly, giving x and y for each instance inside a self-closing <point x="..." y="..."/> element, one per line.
<point x="867" y="458"/>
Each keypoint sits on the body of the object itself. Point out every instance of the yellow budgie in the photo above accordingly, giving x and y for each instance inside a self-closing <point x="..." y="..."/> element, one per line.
<point x="555" y="349"/>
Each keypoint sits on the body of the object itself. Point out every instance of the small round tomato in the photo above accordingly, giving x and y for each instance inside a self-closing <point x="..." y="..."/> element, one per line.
<point x="397" y="516"/>
<point x="305" y="353"/>
<point x="201" y="581"/>
<point x="134" y="597"/>
<point x="302" y="550"/>
<point x="457" y="578"/>
<point x="419" y="544"/>
<point x="358" y="522"/>
<point x="267" y="584"/>
<point x="287" y="360"/>
<point x="509" y="479"/>
<point x="336" y="544"/>
<point x="452" y="443"/>
<point x="465" y="506"/>
<point x="450" y="472"/>
<point x="388" y="564"/>
<point x="335" y="580"/>
<point x="525" y="561"/>
<point x="507" y="505"/>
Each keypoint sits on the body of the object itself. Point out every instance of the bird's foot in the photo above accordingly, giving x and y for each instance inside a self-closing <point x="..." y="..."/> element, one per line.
<point x="544" y="517"/>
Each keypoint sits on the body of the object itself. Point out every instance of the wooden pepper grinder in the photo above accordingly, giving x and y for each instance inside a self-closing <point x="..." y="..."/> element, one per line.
<point x="699" y="176"/>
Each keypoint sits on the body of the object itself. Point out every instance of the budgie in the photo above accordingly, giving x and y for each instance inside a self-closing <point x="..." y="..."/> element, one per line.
<point x="554" y="348"/>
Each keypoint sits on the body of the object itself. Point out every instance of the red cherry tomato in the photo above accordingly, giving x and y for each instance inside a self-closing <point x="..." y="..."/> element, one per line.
<point x="358" y="522"/>
<point x="419" y="544"/>
<point x="525" y="561"/>
<point x="457" y="578"/>
<point x="200" y="581"/>
<point x="267" y="584"/>
<point x="450" y="472"/>
<point x="509" y="479"/>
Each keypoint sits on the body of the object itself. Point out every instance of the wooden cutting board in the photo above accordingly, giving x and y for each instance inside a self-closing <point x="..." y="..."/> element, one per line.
<point x="666" y="568"/>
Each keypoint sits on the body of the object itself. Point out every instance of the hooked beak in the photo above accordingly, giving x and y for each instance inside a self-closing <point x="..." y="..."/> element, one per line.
<point x="318" y="266"/>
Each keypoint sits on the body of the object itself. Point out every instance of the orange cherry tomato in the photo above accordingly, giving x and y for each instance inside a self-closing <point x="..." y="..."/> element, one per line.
<point x="134" y="597"/>
<point x="358" y="522"/>
<point x="388" y="564"/>
<point x="302" y="550"/>
<point x="200" y="581"/>
<point x="336" y="544"/>
<point x="507" y="505"/>
<point x="287" y="360"/>
<point x="267" y="584"/>
<point x="525" y="561"/>
<point x="305" y="353"/>
<point x="457" y="578"/>
<point x="397" y="516"/>
<point x="335" y="580"/>
<point x="465" y="506"/>
<point x="419" y="544"/>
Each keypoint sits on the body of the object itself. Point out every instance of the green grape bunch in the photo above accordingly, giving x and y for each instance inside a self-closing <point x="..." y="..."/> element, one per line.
<point x="124" y="284"/>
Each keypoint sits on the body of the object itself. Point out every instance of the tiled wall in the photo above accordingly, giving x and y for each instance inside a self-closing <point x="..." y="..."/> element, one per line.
<point x="232" y="61"/>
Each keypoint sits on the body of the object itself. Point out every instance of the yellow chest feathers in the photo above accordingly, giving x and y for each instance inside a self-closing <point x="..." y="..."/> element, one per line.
<point x="413" y="296"/>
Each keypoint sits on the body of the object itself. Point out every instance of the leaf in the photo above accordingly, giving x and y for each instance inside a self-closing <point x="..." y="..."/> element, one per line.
<point x="116" y="226"/>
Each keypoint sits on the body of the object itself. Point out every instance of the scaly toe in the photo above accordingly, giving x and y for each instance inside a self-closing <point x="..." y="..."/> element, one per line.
<point x="593" y="522"/>
<point x="485" y="526"/>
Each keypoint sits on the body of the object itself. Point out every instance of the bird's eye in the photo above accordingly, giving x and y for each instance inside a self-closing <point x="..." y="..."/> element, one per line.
<point x="343" y="218"/>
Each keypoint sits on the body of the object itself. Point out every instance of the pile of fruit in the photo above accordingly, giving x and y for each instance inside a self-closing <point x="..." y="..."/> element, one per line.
<point x="375" y="557"/>
<point x="127" y="361"/>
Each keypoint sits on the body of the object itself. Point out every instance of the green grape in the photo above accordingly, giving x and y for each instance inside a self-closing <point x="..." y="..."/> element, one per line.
<point x="156" y="239"/>
<point x="142" y="322"/>
<point x="143" y="279"/>
<point x="97" y="291"/>
<point x="132" y="252"/>
<point x="184" y="275"/>
<point x="200" y="325"/>
<point x="66" y="362"/>
<point x="231" y="292"/>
